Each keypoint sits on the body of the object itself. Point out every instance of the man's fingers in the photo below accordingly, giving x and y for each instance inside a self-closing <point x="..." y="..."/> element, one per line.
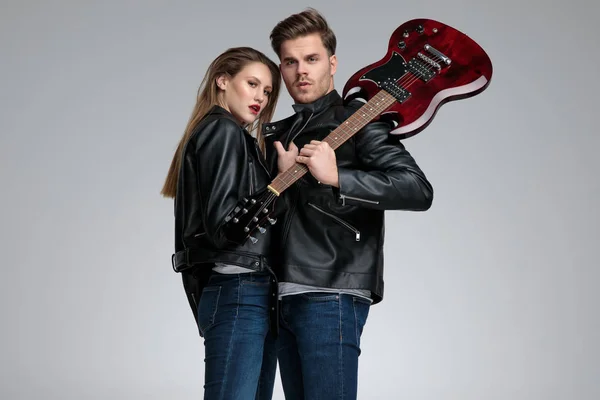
<point x="303" y="159"/>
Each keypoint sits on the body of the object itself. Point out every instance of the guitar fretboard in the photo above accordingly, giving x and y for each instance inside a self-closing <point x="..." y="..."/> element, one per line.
<point x="378" y="103"/>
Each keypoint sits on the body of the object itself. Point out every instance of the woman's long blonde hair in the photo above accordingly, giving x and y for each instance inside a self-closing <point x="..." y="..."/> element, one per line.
<point x="228" y="63"/>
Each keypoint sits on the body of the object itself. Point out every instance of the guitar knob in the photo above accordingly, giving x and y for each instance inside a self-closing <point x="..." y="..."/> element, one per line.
<point x="420" y="29"/>
<point x="402" y="44"/>
<point x="261" y="229"/>
<point x="253" y="239"/>
<point x="272" y="221"/>
<point x="405" y="34"/>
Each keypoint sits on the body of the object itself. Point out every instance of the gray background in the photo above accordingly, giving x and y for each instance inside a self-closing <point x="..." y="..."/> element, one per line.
<point x="489" y="295"/>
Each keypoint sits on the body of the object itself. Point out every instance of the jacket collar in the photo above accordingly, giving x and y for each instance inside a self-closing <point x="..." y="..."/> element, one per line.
<point x="322" y="103"/>
<point x="218" y="110"/>
<point x="319" y="104"/>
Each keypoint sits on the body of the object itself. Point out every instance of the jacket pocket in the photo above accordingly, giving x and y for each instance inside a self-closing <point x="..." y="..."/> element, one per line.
<point x="358" y="199"/>
<point x="338" y="220"/>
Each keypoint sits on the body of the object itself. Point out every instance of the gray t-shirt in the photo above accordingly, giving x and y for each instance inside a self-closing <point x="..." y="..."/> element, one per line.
<point x="289" y="288"/>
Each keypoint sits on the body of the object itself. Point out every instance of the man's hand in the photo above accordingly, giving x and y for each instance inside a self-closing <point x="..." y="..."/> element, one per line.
<point x="286" y="159"/>
<point x="320" y="159"/>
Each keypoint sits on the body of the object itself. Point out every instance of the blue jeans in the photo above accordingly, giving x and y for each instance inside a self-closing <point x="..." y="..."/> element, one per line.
<point x="240" y="353"/>
<point x="319" y="345"/>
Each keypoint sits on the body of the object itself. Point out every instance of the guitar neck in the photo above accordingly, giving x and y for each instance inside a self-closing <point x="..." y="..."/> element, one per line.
<point x="369" y="111"/>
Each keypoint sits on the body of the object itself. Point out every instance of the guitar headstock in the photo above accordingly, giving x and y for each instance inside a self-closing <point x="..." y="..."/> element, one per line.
<point x="251" y="215"/>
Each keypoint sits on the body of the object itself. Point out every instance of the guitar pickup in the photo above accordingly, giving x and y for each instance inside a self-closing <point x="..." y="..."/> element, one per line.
<point x="420" y="69"/>
<point x="399" y="93"/>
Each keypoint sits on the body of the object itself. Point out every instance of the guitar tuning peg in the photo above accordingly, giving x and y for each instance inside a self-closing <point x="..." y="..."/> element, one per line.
<point x="228" y="218"/>
<point x="245" y="211"/>
<point x="253" y="201"/>
<point x="261" y="229"/>
<point x="245" y="200"/>
<point x="253" y="239"/>
<point x="272" y="221"/>
<point x="235" y="220"/>
<point x="246" y="229"/>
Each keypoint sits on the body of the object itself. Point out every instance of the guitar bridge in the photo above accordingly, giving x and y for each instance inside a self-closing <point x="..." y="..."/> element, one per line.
<point x="438" y="54"/>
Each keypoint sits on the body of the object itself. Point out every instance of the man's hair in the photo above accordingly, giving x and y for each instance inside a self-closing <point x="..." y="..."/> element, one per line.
<point x="304" y="23"/>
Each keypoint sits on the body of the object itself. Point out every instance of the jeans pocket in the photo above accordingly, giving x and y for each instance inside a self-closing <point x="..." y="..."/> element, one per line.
<point x="361" y="312"/>
<point x="320" y="296"/>
<point x="207" y="307"/>
<point x="254" y="280"/>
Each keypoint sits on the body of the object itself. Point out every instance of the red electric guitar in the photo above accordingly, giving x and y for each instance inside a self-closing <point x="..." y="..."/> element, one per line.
<point x="427" y="64"/>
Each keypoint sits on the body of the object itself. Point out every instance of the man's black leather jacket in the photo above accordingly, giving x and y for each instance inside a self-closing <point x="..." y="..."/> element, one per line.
<point x="334" y="237"/>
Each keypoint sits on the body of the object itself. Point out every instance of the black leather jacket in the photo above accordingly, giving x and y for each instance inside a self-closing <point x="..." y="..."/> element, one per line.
<point x="334" y="237"/>
<point x="222" y="164"/>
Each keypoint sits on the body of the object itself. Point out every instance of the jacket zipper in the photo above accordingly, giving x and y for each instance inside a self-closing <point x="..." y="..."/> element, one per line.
<point x="344" y="197"/>
<point x="251" y="176"/>
<point x="260" y="160"/>
<point x="288" y="221"/>
<point x="338" y="220"/>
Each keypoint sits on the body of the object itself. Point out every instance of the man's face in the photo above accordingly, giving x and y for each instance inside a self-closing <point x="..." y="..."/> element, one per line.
<point x="306" y="68"/>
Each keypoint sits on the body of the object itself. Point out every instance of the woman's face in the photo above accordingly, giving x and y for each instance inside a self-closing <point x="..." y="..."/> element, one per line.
<point x="246" y="94"/>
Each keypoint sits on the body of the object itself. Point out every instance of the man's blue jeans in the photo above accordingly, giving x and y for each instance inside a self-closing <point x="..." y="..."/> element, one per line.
<point x="240" y="353"/>
<point x="319" y="345"/>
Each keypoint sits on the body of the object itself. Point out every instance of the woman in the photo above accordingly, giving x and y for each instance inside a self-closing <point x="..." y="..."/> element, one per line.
<point x="216" y="165"/>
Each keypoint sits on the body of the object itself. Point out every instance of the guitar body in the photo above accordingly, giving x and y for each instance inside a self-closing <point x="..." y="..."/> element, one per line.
<point x="433" y="63"/>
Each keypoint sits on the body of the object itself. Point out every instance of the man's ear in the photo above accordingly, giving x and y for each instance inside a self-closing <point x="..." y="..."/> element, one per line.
<point x="333" y="64"/>
<point x="222" y="82"/>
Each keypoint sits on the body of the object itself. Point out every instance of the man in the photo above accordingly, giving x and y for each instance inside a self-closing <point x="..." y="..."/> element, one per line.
<point x="332" y="231"/>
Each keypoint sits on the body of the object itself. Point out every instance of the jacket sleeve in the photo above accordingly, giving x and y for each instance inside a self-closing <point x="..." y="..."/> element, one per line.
<point x="221" y="172"/>
<point x="390" y="178"/>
